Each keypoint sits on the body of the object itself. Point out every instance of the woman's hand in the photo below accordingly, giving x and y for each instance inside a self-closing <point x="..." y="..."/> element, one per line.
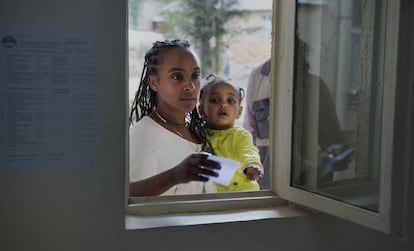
<point x="196" y="167"/>
<point x="253" y="173"/>
<point x="329" y="161"/>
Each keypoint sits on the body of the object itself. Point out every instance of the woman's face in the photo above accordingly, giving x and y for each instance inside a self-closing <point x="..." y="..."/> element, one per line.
<point x="177" y="82"/>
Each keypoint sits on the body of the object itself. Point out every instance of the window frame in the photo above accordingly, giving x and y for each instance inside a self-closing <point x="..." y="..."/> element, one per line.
<point x="149" y="206"/>
<point x="281" y="193"/>
<point x="282" y="95"/>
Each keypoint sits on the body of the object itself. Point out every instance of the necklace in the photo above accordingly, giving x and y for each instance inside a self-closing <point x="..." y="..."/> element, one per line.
<point x="168" y="120"/>
<point x="171" y="122"/>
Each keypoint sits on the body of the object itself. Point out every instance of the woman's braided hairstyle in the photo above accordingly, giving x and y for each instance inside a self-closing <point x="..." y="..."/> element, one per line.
<point x="145" y="100"/>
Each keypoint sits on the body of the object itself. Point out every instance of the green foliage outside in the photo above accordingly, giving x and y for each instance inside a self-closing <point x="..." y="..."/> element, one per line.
<point x="134" y="8"/>
<point x="202" y="22"/>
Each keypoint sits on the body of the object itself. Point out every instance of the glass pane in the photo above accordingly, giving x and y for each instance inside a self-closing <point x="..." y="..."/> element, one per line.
<point x="339" y="48"/>
<point x="231" y="39"/>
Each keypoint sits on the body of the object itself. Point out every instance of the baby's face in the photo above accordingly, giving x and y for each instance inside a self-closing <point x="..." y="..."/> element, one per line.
<point x="221" y="106"/>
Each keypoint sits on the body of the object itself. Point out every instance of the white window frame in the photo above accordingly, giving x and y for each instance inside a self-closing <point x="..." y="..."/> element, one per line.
<point x="154" y="208"/>
<point x="282" y="96"/>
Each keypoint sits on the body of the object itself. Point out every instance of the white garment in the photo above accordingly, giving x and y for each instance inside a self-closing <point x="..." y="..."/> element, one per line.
<point x="154" y="149"/>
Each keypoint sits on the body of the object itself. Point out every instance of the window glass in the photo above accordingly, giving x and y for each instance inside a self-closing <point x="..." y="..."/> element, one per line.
<point x="230" y="37"/>
<point x="338" y="98"/>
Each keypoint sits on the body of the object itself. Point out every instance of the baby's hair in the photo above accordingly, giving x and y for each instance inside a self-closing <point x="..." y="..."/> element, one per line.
<point x="145" y="100"/>
<point x="212" y="79"/>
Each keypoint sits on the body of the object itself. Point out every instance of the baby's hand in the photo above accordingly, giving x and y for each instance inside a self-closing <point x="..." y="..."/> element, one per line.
<point x="253" y="173"/>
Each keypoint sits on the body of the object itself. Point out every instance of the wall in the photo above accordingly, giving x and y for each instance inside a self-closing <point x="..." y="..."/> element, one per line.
<point x="73" y="208"/>
<point x="82" y="209"/>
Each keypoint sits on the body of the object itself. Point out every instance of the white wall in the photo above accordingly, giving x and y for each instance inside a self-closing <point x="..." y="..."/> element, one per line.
<point x="83" y="209"/>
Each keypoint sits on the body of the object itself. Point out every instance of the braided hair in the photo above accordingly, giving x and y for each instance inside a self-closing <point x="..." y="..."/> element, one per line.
<point x="145" y="100"/>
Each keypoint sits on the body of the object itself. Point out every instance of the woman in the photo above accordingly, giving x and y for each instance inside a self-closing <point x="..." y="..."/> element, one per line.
<point x="167" y="138"/>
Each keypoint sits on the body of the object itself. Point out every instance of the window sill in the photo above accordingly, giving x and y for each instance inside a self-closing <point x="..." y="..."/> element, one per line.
<point x="281" y="211"/>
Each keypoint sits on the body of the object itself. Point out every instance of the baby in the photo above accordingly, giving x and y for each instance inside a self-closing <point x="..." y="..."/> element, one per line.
<point x="220" y="106"/>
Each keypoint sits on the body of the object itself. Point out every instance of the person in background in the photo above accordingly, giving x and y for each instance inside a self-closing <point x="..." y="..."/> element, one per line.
<point x="330" y="136"/>
<point x="166" y="140"/>
<point x="256" y="119"/>
<point x="220" y="106"/>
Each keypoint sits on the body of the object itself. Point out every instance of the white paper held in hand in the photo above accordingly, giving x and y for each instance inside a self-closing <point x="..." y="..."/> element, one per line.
<point x="228" y="168"/>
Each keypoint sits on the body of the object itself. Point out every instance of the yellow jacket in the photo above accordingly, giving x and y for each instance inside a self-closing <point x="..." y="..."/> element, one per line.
<point x="236" y="143"/>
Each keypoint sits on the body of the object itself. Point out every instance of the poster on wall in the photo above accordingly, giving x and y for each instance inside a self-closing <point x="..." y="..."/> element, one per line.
<point x="48" y="99"/>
